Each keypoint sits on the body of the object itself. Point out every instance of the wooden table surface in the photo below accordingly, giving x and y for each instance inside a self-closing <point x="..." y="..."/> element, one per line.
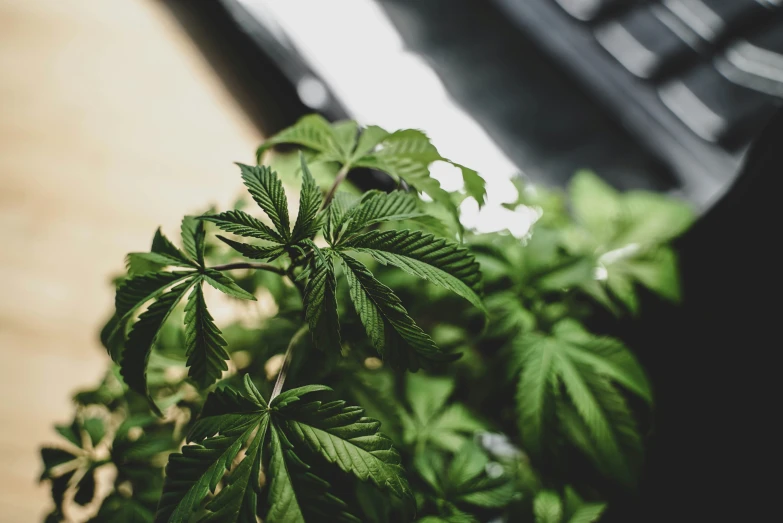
<point x="111" y="123"/>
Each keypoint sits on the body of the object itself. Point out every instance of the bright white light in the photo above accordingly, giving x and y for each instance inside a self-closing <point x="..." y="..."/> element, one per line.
<point x="494" y="218"/>
<point x="353" y="47"/>
<point x="450" y="177"/>
<point x="312" y="92"/>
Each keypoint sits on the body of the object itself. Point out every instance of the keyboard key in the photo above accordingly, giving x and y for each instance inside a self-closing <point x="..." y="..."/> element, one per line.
<point x="587" y="10"/>
<point x="758" y="59"/>
<point x="715" y="108"/>
<point x="649" y="41"/>
<point x="714" y="19"/>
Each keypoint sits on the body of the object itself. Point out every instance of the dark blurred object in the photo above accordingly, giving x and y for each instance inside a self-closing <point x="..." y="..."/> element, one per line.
<point x="682" y="85"/>
<point x="715" y="445"/>
<point x="695" y="80"/>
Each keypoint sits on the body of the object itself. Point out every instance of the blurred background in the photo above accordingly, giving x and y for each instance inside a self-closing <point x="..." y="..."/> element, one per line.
<point x="120" y="116"/>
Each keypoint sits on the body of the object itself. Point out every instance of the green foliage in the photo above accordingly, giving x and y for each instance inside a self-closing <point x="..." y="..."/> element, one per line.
<point x="584" y="367"/>
<point x="519" y="376"/>
<point x="320" y="305"/>
<point x="626" y="234"/>
<point x="550" y="507"/>
<point x="274" y="436"/>
<point x="405" y="155"/>
<point x="389" y="327"/>
<point x="467" y="479"/>
<point x="433" y="421"/>
<point x="166" y="289"/>
<point x="423" y="255"/>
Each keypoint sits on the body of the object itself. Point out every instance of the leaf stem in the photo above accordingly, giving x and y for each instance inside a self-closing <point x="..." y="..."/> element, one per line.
<point x="340" y="178"/>
<point x="278" y="388"/>
<point x="249" y="265"/>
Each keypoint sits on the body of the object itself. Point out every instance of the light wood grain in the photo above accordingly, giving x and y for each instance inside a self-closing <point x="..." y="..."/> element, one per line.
<point x="111" y="123"/>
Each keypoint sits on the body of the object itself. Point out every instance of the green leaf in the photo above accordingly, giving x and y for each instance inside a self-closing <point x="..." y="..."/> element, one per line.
<point x="119" y="508"/>
<point x="454" y="518"/>
<point x="194" y="238"/>
<point x="389" y="327"/>
<point x="369" y="139"/>
<point x="335" y="214"/>
<point x="588" y="513"/>
<point x="421" y="254"/>
<point x="475" y="185"/>
<point x="237" y="501"/>
<point x="627" y="232"/>
<point x="311" y="131"/>
<point x="534" y="390"/>
<point x="653" y="218"/>
<point x="585" y="366"/>
<point x="52" y="458"/>
<point x="435" y="422"/>
<point x="468" y="480"/>
<point x="135" y="292"/>
<point x="342" y="435"/>
<point x="270" y="478"/>
<point x="508" y="316"/>
<point x="254" y="252"/>
<point x="376" y="207"/>
<point x="375" y="392"/>
<point x="195" y="473"/>
<point x="142" y="262"/>
<point x="430" y="223"/>
<point x="226" y="285"/>
<point x="622" y="288"/>
<point x="295" y="493"/>
<point x="70" y="432"/>
<point x="415" y="173"/>
<point x="266" y="189"/>
<point x="203" y="341"/>
<point x="427" y="395"/>
<point x="228" y="421"/>
<point x="345" y="134"/>
<point x="241" y="223"/>
<point x="577" y="511"/>
<point x="658" y="272"/>
<point x="309" y="203"/>
<point x="605" y="421"/>
<point x="452" y="427"/>
<point x="142" y="337"/>
<point x="547" y="507"/>
<point x="283" y="505"/>
<point x="162" y="245"/>
<point x="320" y="305"/>
<point x="567" y="275"/>
<point x="411" y="144"/>
<point x="407" y="154"/>
<point x="611" y="358"/>
<point x="292" y="396"/>
<point x="465" y="480"/>
<point x="95" y="430"/>
<point x="595" y="204"/>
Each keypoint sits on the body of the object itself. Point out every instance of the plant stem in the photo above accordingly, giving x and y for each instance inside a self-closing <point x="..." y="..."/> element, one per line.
<point x="278" y="388"/>
<point x="249" y="265"/>
<point x="340" y="178"/>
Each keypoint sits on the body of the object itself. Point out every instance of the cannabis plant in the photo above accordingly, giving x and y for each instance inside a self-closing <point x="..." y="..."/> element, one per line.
<point x="379" y="377"/>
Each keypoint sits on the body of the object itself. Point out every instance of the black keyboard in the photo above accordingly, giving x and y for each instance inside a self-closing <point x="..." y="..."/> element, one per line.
<point x="694" y="79"/>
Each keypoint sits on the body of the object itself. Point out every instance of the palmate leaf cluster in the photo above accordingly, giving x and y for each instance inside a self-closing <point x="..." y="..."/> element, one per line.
<point x="460" y="375"/>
